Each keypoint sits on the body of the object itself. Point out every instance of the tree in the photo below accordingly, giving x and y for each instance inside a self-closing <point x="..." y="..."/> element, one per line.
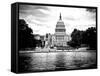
<point x="76" y="38"/>
<point x="88" y="37"/>
<point x="25" y="37"/>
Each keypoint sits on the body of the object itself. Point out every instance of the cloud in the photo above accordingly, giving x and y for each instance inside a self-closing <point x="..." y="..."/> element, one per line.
<point x="43" y="19"/>
<point x="34" y="11"/>
<point x="70" y="18"/>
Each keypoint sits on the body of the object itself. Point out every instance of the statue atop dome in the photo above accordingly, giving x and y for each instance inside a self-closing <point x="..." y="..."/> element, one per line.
<point x="60" y="18"/>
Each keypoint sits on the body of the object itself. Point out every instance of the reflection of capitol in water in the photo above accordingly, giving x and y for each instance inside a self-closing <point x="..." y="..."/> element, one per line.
<point x="59" y="38"/>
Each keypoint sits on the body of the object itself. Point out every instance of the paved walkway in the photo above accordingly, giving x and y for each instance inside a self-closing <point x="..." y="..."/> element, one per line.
<point x="48" y="50"/>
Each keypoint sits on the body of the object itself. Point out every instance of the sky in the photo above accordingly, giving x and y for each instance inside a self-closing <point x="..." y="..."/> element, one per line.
<point x="43" y="19"/>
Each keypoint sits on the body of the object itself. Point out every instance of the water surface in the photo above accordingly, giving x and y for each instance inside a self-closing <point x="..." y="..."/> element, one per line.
<point x="56" y="61"/>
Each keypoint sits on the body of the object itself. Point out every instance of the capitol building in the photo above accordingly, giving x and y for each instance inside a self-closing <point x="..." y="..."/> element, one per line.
<point x="59" y="38"/>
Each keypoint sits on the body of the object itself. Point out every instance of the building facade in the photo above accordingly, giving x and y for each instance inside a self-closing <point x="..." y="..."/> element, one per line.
<point x="48" y="40"/>
<point x="60" y="38"/>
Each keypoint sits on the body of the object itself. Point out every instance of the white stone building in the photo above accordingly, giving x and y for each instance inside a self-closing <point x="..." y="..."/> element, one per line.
<point x="60" y="38"/>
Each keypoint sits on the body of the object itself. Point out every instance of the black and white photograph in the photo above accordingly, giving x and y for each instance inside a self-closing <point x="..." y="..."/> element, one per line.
<point x="56" y="38"/>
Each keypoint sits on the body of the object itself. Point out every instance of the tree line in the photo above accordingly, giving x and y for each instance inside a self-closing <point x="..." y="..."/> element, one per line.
<point x="26" y="38"/>
<point x="85" y="38"/>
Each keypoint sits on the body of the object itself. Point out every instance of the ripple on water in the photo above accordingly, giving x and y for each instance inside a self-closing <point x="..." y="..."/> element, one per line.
<point x="56" y="61"/>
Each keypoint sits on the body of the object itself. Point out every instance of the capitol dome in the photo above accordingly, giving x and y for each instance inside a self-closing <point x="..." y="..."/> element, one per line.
<point x="60" y="23"/>
<point x="60" y="27"/>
